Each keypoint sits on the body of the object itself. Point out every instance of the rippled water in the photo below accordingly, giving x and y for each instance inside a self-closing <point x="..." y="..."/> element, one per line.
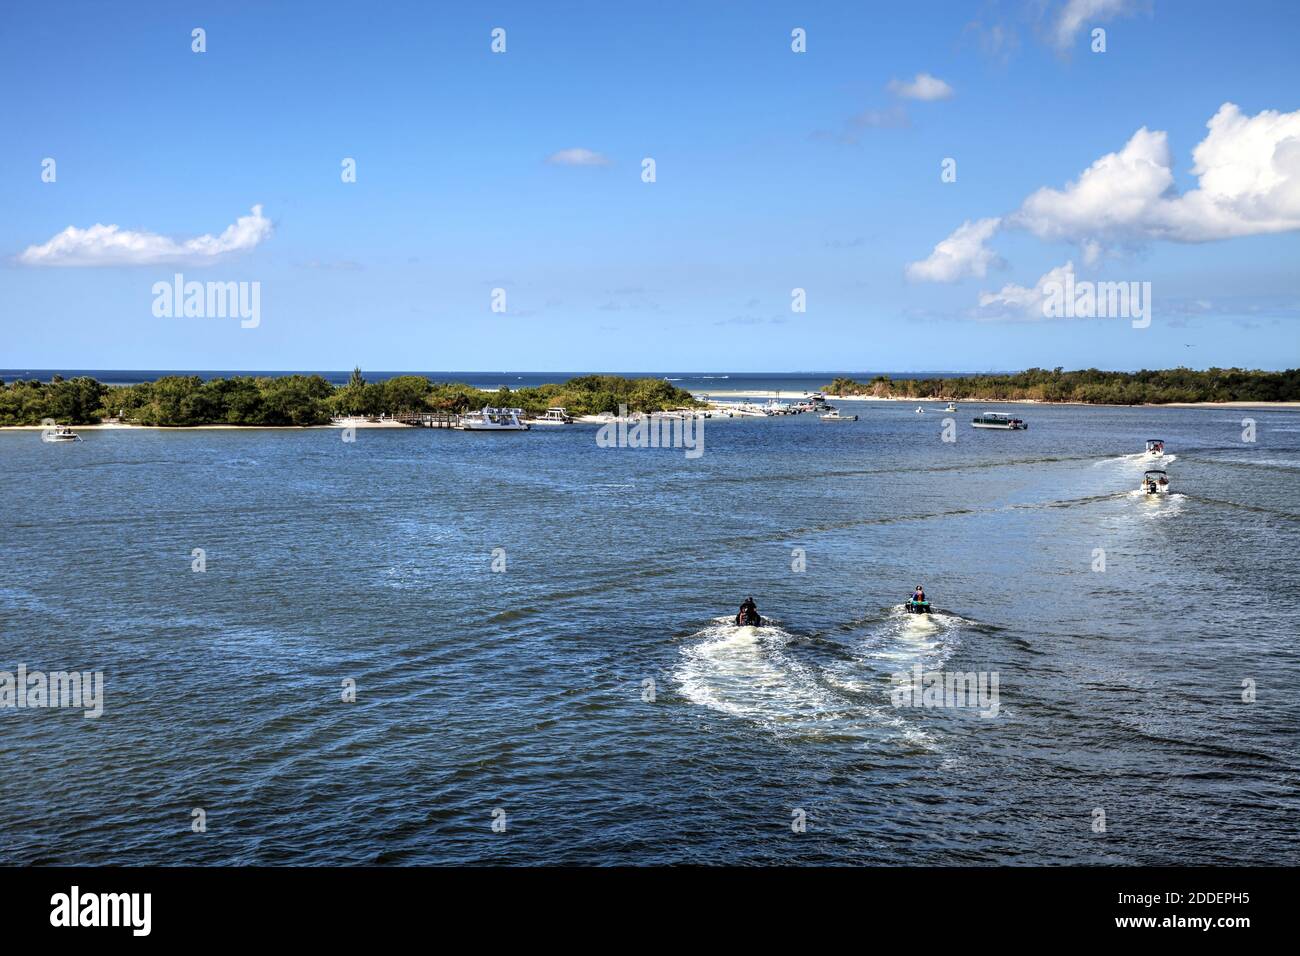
<point x="524" y="691"/>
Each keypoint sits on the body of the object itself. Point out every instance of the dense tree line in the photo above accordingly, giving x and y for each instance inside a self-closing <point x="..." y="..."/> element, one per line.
<point x="1091" y="386"/>
<point x="310" y="399"/>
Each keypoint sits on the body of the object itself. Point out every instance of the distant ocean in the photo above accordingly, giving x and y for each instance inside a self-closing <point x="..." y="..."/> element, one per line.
<point x="692" y="381"/>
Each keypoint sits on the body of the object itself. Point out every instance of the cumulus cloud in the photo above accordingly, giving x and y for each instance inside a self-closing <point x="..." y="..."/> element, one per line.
<point x="1248" y="183"/>
<point x="924" y="87"/>
<point x="102" y="245"/>
<point x="962" y="254"/>
<point x="577" y="157"/>
<point x="1018" y="302"/>
<point x="1075" y="14"/>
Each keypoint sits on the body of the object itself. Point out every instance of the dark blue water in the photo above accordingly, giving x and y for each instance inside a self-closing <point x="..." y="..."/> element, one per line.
<point x="524" y="692"/>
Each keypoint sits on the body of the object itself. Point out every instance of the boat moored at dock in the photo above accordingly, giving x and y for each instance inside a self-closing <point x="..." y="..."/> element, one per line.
<point x="491" y="419"/>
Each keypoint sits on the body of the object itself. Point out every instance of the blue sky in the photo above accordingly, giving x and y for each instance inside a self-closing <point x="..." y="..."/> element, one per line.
<point x="775" y="170"/>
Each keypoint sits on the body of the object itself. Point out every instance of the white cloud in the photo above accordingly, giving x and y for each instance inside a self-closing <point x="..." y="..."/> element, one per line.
<point x="924" y="87"/>
<point x="577" y="157"/>
<point x="1248" y="171"/>
<point x="962" y="254"/>
<point x="1076" y="13"/>
<point x="1017" y="302"/>
<point x="102" y="245"/>
<point x="1248" y="183"/>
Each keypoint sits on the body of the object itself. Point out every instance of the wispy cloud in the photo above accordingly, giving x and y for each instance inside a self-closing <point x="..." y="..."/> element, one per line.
<point x="923" y="87"/>
<point x="1075" y="14"/>
<point x="102" y="245"/>
<point x="577" y="156"/>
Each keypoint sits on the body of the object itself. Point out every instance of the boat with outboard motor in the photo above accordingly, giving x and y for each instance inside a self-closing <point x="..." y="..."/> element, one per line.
<point x="998" y="420"/>
<point x="1155" y="481"/>
<point x="834" y="416"/>
<point x="59" y="433"/>
<point x="1155" y="447"/>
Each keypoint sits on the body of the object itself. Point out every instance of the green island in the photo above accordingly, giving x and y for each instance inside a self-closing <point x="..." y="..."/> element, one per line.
<point x="188" y="400"/>
<point x="1089" y="386"/>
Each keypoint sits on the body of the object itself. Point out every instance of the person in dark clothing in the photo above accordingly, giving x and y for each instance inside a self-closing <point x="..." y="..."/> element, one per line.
<point x="748" y="615"/>
<point x="919" y="594"/>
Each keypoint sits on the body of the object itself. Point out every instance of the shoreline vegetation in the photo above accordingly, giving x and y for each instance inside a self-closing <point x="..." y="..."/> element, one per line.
<point x="1180" y="386"/>
<point x="304" y="401"/>
<point x="309" y="400"/>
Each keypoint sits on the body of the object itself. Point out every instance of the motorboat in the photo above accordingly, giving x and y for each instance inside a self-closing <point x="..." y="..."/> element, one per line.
<point x="491" y="419"/>
<point x="1155" y="481"/>
<point x="1155" y="447"/>
<point x="917" y="607"/>
<point x="59" y="433"/>
<point x="998" y="420"/>
<point x="920" y="410"/>
<point x="951" y="407"/>
<point x="834" y="416"/>
<point x="553" y="416"/>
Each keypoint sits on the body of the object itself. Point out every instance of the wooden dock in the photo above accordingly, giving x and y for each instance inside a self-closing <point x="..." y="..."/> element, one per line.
<point x="429" y="419"/>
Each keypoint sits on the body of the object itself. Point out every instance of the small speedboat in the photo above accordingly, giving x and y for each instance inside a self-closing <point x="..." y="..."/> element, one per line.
<point x="553" y="416"/>
<point x="951" y="407"/>
<point x="920" y="410"/>
<point x="59" y="433"/>
<point x="834" y="416"/>
<point x="1155" y="481"/>
<point x="1155" y="447"/>
<point x="917" y="607"/>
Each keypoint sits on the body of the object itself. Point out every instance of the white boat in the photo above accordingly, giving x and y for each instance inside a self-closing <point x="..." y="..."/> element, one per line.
<point x="493" y="420"/>
<point x="1155" y="447"/>
<point x="1155" y="482"/>
<point x="553" y="416"/>
<point x="59" y="433"/>
<point x="950" y="407"/>
<point x="998" y="420"/>
<point x="920" y="410"/>
<point x="834" y="416"/>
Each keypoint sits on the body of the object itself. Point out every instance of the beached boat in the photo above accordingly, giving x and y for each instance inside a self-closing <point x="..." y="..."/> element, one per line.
<point x="493" y="420"/>
<point x="1155" y="481"/>
<point x="553" y="416"/>
<point x="998" y="420"/>
<point x="1155" y="447"/>
<point x="59" y="433"/>
<point x="834" y="416"/>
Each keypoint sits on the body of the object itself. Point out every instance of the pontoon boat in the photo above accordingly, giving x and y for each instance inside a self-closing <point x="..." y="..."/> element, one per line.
<point x="493" y="420"/>
<point x="998" y="420"/>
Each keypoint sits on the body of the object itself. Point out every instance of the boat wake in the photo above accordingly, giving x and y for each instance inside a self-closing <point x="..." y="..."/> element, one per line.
<point x="895" y="645"/>
<point x="751" y="673"/>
